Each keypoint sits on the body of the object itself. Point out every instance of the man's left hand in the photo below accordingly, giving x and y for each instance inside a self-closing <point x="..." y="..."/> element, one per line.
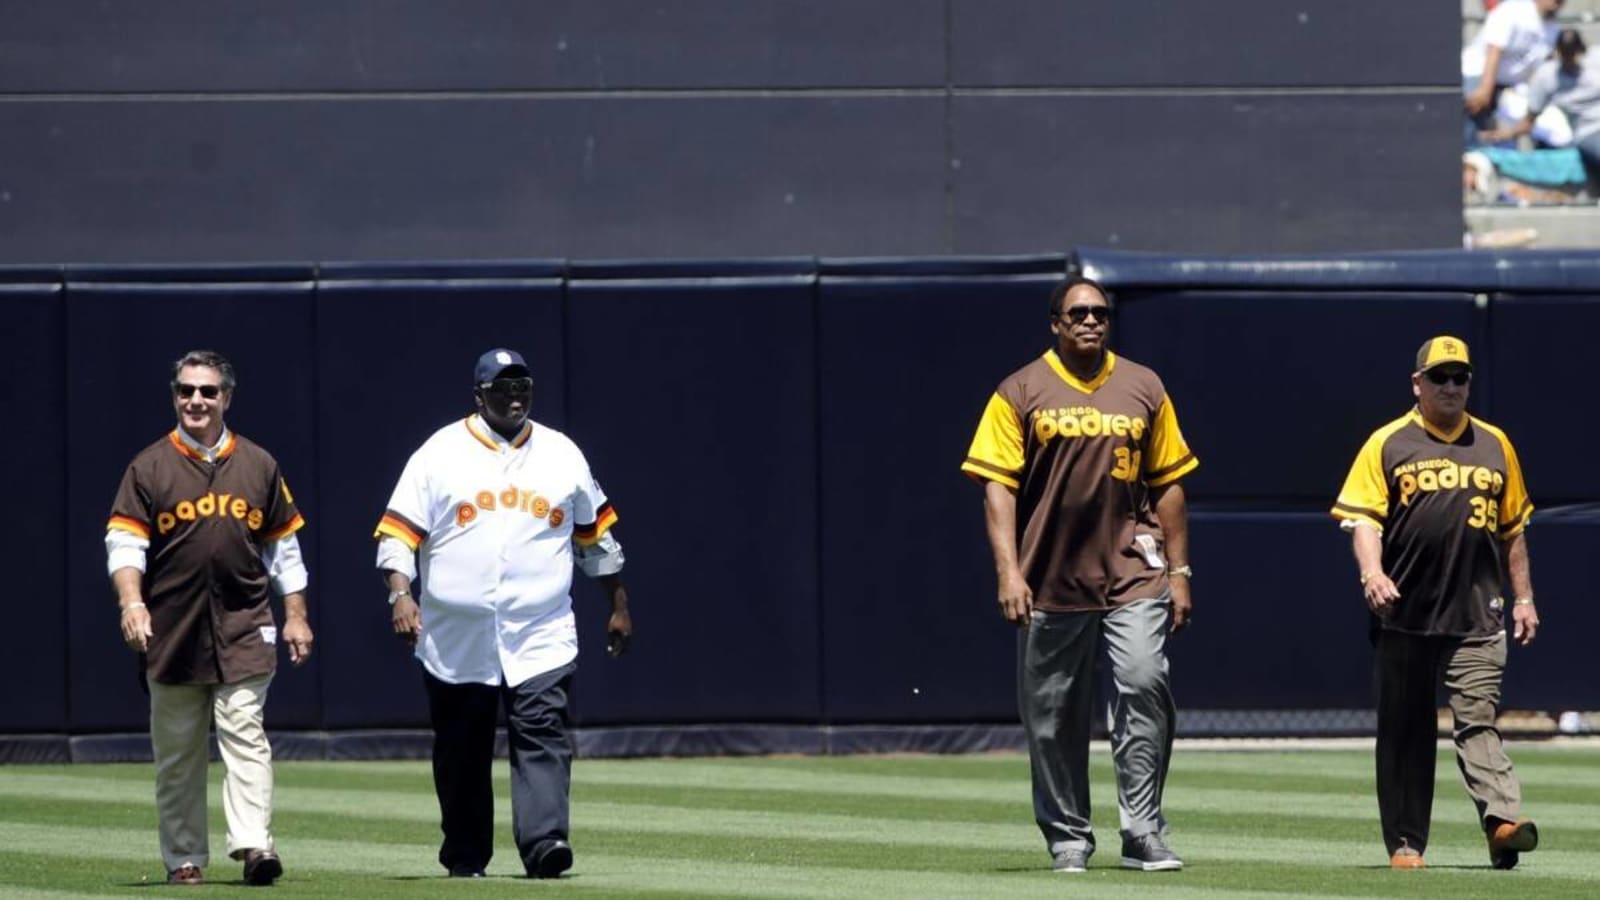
<point x="297" y="634"/>
<point x="1524" y="622"/>
<point x="1181" y="605"/>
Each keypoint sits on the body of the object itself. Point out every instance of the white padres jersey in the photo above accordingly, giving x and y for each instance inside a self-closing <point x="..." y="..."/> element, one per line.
<point x="493" y="523"/>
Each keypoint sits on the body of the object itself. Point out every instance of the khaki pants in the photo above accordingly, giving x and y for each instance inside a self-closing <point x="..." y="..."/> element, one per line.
<point x="180" y="719"/>
<point x="1410" y="670"/>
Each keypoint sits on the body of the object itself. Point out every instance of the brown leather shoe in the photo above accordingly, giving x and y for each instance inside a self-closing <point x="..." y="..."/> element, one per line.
<point x="188" y="873"/>
<point x="1406" y="858"/>
<point x="1509" y="840"/>
<point x="261" y="867"/>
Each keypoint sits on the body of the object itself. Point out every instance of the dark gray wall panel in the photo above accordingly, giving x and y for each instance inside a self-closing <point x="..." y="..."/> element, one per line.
<point x="1206" y="174"/>
<point x="695" y="403"/>
<point x="121" y="342"/>
<point x="1276" y="391"/>
<point x="35" y="666"/>
<point x="372" y="45"/>
<point x="1542" y="344"/>
<point x="1556" y="672"/>
<point x="1237" y="42"/>
<point x="910" y="631"/>
<point x="489" y="178"/>
<point x="394" y="357"/>
<point x="1279" y="622"/>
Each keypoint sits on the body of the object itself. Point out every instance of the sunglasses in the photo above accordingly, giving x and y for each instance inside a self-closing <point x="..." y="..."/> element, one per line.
<point x="507" y="386"/>
<point x="1082" y="311"/>
<point x="1458" y="378"/>
<point x="208" y="391"/>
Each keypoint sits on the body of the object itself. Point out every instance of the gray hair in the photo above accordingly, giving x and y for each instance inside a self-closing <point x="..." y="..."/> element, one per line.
<point x="211" y="360"/>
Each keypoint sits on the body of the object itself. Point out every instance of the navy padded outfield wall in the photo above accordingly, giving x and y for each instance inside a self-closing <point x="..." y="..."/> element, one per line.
<point x="781" y="438"/>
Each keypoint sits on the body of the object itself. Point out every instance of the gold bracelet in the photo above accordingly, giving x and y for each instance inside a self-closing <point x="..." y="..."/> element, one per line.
<point x="1368" y="576"/>
<point x="1522" y="601"/>
<point x="137" y="605"/>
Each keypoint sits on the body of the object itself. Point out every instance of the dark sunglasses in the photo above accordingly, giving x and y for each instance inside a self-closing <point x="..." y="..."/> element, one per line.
<point x="506" y="386"/>
<point x="1077" y="314"/>
<point x="1459" y="378"/>
<point x="208" y="391"/>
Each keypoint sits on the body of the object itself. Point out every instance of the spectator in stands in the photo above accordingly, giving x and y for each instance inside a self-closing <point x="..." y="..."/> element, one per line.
<point x="1571" y="83"/>
<point x="1080" y="456"/>
<point x="201" y="533"/>
<point x="1436" y="508"/>
<point x="1516" y="37"/>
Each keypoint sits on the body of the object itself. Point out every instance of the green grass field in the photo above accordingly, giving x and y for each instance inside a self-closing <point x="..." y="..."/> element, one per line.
<point x="1258" y="824"/>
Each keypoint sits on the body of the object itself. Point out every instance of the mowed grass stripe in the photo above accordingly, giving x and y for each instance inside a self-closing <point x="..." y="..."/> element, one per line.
<point x="309" y="862"/>
<point x="941" y="804"/>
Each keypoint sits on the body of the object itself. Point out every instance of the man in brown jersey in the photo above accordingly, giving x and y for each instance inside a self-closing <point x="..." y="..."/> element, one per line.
<point x="202" y="531"/>
<point x="1437" y="511"/>
<point x="1079" y="454"/>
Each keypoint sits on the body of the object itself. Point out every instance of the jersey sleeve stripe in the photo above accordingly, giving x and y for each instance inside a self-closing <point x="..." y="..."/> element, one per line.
<point x="1510" y="530"/>
<point x="286" y="529"/>
<point x="400" y="528"/>
<point x="589" y="535"/>
<point x="984" y="471"/>
<point x="1370" y="516"/>
<point x="1173" y="472"/>
<point x="131" y="526"/>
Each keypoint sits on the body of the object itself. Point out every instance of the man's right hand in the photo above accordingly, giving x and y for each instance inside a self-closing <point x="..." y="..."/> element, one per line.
<point x="1016" y="599"/>
<point x="136" y="632"/>
<point x="407" y="619"/>
<point x="1381" y="594"/>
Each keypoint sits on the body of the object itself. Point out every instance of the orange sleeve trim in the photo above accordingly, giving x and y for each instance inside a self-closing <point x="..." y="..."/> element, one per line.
<point x="132" y="526"/>
<point x="589" y="535"/>
<point x="1512" y="529"/>
<point x="1173" y="472"/>
<point x="979" y="470"/>
<point x="286" y="529"/>
<point x="399" y="529"/>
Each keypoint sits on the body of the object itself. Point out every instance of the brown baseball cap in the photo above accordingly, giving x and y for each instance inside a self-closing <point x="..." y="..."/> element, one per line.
<point x="1442" y="350"/>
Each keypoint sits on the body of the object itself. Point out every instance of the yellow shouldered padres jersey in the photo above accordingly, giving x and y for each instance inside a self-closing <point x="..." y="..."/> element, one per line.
<point x="1446" y="503"/>
<point x="1081" y="456"/>
<point x="493" y="523"/>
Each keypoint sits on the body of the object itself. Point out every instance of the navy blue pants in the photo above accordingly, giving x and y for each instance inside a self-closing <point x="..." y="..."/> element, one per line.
<point x="463" y="717"/>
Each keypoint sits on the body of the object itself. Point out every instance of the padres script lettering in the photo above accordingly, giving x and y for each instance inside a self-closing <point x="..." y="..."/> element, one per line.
<point x="512" y="499"/>
<point x="1429" y="475"/>
<point x="211" y="504"/>
<point x="1087" y="421"/>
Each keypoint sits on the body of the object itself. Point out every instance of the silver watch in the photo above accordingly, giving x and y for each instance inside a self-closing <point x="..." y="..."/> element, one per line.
<point x="396" y="595"/>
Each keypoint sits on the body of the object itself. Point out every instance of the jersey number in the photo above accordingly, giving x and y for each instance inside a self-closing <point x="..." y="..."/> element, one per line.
<point x="1485" y="513"/>
<point x="1127" y="464"/>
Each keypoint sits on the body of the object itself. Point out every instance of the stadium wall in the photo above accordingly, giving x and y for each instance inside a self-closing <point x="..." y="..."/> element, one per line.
<point x="487" y="129"/>
<point x="781" y="439"/>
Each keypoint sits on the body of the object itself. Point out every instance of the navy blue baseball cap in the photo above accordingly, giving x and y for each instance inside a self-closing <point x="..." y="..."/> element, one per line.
<point x="498" y="363"/>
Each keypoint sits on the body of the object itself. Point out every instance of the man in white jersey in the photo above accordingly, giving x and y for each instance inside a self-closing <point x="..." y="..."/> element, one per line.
<point x="490" y="515"/>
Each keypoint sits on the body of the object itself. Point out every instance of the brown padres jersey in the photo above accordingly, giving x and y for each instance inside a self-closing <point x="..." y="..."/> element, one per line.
<point x="1081" y="457"/>
<point x="1446" y="504"/>
<point x="205" y="583"/>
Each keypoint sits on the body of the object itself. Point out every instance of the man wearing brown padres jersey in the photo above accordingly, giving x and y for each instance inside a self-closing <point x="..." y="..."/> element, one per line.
<point x="1080" y="454"/>
<point x="1436" y="508"/>
<point x="201" y="532"/>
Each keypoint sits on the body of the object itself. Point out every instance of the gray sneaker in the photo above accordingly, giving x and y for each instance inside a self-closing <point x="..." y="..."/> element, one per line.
<point x="1149" y="853"/>
<point x="1070" y="862"/>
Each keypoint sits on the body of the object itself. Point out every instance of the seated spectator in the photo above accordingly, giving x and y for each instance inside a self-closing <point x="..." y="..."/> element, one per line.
<point x="1515" y="38"/>
<point x="1571" y="84"/>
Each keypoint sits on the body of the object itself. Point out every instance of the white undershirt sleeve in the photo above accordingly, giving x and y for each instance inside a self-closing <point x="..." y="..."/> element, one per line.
<point x="603" y="557"/>
<point x="124" y="550"/>
<point x="285" y="566"/>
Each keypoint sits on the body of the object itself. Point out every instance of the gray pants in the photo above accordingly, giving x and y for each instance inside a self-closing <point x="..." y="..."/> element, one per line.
<point x="1056" y="697"/>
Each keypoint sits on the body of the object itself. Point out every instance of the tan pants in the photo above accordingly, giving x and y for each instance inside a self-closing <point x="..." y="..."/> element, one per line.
<point x="180" y="718"/>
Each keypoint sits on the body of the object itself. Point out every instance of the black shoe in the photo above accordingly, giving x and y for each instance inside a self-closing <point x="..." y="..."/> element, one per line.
<point x="1149" y="853"/>
<point x="467" y="872"/>
<point x="261" y="867"/>
<point x="554" y="858"/>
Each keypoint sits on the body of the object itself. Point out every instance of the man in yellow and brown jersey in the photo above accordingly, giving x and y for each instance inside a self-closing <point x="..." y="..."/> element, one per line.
<point x="1080" y="454"/>
<point x="201" y="534"/>
<point x="1437" y="511"/>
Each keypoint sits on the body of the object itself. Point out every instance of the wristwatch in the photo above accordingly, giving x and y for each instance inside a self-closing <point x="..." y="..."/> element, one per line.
<point x="396" y="595"/>
<point x="1185" y="571"/>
